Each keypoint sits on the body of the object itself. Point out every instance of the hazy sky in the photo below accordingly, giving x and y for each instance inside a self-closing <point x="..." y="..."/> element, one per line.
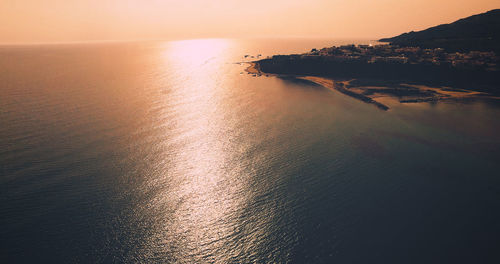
<point x="26" y="21"/>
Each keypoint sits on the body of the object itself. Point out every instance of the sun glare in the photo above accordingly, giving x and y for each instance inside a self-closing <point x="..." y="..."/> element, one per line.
<point x="195" y="52"/>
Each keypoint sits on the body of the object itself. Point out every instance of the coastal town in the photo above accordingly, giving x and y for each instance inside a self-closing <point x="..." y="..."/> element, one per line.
<point x="387" y="53"/>
<point x="372" y="72"/>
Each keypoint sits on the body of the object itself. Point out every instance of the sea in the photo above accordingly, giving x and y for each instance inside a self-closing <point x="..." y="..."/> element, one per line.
<point x="170" y="152"/>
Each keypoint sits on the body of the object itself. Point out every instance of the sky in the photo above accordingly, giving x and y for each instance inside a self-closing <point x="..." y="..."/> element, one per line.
<point x="47" y="21"/>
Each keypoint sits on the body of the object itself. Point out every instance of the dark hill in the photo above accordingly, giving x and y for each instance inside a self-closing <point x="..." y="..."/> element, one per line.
<point x="479" y="32"/>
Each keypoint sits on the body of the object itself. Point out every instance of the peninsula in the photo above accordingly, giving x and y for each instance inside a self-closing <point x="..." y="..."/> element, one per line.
<point x="410" y="73"/>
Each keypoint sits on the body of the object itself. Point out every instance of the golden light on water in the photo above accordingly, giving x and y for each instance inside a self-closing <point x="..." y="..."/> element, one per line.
<point x="171" y="153"/>
<point x="191" y="53"/>
<point x="210" y="184"/>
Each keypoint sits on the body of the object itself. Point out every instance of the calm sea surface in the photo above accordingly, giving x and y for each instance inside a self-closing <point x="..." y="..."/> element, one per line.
<point x="170" y="153"/>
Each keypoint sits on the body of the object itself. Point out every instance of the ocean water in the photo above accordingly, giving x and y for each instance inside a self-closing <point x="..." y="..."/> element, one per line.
<point x="168" y="152"/>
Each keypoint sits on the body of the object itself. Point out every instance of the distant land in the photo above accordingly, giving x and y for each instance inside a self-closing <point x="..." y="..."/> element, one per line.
<point x="458" y="61"/>
<point x="475" y="33"/>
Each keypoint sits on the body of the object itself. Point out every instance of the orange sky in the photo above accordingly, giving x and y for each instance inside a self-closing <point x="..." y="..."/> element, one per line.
<point x="34" y="21"/>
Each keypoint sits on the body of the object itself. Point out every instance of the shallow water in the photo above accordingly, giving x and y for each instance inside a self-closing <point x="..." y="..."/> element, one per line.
<point x="170" y="152"/>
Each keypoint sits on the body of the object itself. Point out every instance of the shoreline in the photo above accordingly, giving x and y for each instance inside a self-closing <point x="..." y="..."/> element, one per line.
<point x="340" y="87"/>
<point x="327" y="83"/>
<point x="367" y="93"/>
<point x="254" y="68"/>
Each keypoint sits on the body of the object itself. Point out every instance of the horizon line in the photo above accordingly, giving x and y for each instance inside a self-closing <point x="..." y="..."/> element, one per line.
<point x="111" y="41"/>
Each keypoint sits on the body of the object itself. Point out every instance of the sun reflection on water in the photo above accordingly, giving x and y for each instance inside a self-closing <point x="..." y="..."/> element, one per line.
<point x="210" y="184"/>
<point x="192" y="53"/>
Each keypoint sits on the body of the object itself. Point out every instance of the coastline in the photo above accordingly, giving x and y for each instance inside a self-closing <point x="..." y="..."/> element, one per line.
<point x="323" y="81"/>
<point x="340" y="86"/>
<point x="253" y="68"/>
<point x="368" y="92"/>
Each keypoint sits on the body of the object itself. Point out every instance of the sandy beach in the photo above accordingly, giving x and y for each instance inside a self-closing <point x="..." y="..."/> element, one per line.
<point x="404" y="93"/>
